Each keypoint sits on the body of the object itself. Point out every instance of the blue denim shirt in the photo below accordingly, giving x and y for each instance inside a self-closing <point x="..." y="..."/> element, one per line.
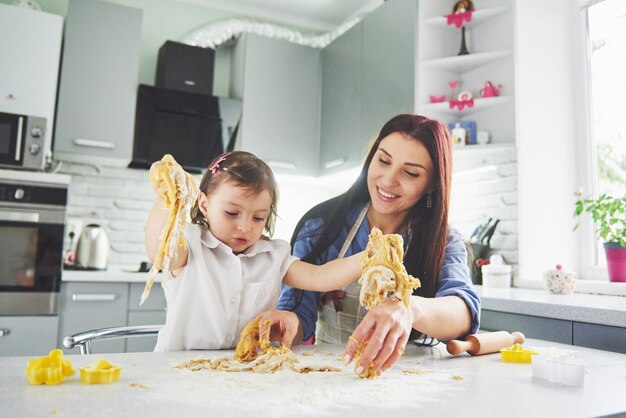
<point x="454" y="277"/>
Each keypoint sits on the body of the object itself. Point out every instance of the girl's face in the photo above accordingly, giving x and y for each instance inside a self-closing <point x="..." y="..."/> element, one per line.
<point x="400" y="174"/>
<point x="236" y="215"/>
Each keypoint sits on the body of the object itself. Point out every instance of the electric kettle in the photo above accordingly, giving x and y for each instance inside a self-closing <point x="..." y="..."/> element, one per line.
<point x="92" y="250"/>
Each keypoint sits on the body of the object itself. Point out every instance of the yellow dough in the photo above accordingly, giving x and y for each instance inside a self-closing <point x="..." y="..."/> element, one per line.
<point x="383" y="271"/>
<point x="251" y="340"/>
<point x="178" y="190"/>
<point x="253" y="354"/>
<point x="368" y="372"/>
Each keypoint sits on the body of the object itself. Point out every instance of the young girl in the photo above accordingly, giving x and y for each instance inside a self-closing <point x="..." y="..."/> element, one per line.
<point x="228" y="272"/>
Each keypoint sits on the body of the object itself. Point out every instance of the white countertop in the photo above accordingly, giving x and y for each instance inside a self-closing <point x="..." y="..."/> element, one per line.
<point x="485" y="387"/>
<point x="111" y="275"/>
<point x="35" y="177"/>
<point x="581" y="307"/>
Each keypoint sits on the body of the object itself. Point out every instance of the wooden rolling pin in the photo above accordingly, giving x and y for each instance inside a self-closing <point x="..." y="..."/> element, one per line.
<point x="484" y="343"/>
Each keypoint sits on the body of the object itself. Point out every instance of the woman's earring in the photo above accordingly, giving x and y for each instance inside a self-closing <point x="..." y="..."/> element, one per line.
<point x="429" y="200"/>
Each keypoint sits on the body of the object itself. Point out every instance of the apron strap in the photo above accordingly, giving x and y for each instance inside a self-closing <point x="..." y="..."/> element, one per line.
<point x="338" y="295"/>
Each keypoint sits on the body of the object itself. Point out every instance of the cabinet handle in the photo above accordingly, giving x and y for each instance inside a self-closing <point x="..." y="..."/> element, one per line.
<point x="282" y="164"/>
<point x="4" y="332"/>
<point x="92" y="143"/>
<point x="334" y="163"/>
<point x="93" y="297"/>
<point x="16" y="216"/>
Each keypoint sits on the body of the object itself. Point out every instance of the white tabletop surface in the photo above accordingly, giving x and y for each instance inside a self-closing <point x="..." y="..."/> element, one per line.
<point x="484" y="387"/>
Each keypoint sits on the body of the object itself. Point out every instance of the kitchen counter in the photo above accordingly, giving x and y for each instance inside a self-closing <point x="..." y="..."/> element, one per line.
<point x="111" y="275"/>
<point x="594" y="309"/>
<point x="450" y="386"/>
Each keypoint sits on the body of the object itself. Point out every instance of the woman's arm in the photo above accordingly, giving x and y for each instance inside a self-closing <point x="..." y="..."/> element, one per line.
<point x="330" y="276"/>
<point x="154" y="227"/>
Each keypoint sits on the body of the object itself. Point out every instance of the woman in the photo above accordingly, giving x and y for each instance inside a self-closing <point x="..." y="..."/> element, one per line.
<point x="403" y="188"/>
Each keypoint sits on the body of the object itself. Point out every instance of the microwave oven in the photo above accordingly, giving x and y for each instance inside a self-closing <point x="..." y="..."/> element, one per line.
<point x="193" y="128"/>
<point x="22" y="141"/>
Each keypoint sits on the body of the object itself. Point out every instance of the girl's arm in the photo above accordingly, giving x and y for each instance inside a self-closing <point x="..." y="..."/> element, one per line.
<point x="330" y="276"/>
<point x="156" y="221"/>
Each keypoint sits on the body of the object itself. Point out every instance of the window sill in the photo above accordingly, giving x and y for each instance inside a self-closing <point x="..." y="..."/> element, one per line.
<point x="594" y="287"/>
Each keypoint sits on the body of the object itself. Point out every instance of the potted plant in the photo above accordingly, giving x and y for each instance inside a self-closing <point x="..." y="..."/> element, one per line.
<point x="609" y="216"/>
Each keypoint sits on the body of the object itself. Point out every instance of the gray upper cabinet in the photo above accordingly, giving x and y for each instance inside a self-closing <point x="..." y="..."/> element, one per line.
<point x="368" y="76"/>
<point x="389" y="39"/>
<point x="279" y="83"/>
<point x="341" y="129"/>
<point x="98" y="83"/>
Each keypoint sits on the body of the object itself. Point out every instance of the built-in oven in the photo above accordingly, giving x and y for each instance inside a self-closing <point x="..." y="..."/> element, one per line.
<point x="32" y="216"/>
<point x="22" y="141"/>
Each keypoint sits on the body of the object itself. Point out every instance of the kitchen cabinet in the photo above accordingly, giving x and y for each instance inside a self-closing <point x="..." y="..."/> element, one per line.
<point x="152" y="312"/>
<point x="489" y="37"/>
<point x="342" y="140"/>
<point x="98" y="83"/>
<point x="30" y="42"/>
<point x="581" y="334"/>
<point x="28" y="335"/>
<point x="368" y="76"/>
<point x="279" y="84"/>
<point x="87" y="306"/>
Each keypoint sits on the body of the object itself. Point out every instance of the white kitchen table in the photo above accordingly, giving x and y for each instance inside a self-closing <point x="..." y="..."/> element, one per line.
<point x="462" y="386"/>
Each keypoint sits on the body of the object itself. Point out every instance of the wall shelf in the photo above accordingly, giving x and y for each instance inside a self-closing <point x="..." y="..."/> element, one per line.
<point x="478" y="17"/>
<point x="479" y="105"/>
<point x="464" y="63"/>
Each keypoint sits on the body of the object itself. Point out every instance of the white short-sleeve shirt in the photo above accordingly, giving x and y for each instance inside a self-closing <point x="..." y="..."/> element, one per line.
<point x="218" y="292"/>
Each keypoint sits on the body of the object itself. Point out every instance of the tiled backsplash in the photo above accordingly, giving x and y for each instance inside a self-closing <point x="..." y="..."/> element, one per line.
<point x="484" y="185"/>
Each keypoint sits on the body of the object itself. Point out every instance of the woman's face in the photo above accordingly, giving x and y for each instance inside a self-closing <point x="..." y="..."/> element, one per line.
<point x="236" y="216"/>
<point x="400" y="174"/>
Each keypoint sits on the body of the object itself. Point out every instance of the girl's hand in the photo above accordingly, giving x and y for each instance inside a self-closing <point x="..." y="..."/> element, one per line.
<point x="386" y="329"/>
<point x="284" y="325"/>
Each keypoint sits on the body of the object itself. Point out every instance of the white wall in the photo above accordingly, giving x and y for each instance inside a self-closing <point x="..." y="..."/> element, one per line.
<point x="546" y="133"/>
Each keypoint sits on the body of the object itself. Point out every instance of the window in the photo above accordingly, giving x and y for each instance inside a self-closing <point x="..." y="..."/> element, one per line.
<point x="606" y="36"/>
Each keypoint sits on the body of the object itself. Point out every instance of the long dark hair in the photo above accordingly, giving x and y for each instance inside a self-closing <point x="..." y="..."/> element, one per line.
<point x="427" y="227"/>
<point x="245" y="170"/>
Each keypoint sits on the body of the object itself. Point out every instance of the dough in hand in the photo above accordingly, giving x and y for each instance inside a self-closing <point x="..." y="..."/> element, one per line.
<point x="179" y="191"/>
<point x="381" y="260"/>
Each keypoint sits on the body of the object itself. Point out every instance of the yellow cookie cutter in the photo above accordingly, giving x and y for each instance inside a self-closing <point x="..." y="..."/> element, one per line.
<point x="101" y="372"/>
<point x="517" y="354"/>
<point x="50" y="369"/>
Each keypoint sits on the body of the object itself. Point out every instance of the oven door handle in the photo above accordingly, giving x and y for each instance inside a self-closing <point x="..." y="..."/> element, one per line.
<point x="19" y="216"/>
<point x="93" y="297"/>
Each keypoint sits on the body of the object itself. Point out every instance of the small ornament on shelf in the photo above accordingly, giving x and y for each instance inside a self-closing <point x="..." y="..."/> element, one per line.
<point x="470" y="130"/>
<point x="489" y="90"/>
<point x="459" y="135"/>
<point x="463" y="99"/>
<point x="461" y="12"/>
<point x="437" y="99"/>
<point x="463" y="50"/>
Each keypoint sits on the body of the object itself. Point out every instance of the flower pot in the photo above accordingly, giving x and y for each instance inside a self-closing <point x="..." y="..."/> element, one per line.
<point x="616" y="261"/>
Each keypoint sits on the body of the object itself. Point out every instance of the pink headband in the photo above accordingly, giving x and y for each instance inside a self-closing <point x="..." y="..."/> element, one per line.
<point x="216" y="165"/>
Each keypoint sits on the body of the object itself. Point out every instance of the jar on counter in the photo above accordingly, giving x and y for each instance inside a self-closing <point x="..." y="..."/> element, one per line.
<point x="496" y="273"/>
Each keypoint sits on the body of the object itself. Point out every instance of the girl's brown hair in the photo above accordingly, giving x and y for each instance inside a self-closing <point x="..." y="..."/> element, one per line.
<point x="244" y="170"/>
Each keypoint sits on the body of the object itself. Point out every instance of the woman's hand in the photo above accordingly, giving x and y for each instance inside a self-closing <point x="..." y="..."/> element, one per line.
<point x="386" y="329"/>
<point x="284" y="325"/>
